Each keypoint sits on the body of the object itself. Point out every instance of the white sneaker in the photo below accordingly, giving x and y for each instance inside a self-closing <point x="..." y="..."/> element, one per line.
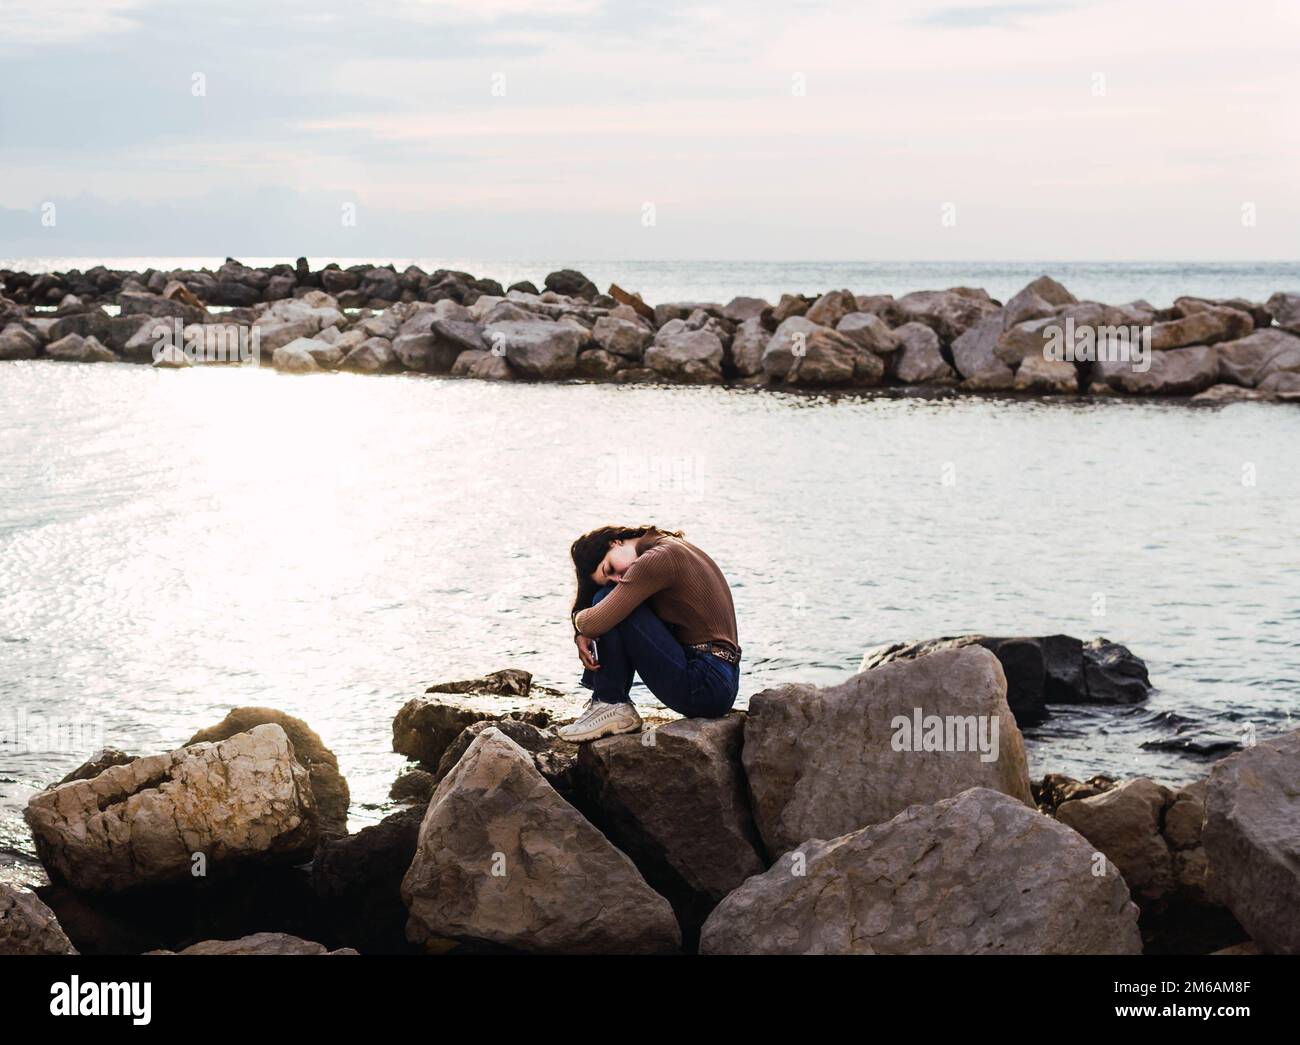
<point x="601" y="719"/>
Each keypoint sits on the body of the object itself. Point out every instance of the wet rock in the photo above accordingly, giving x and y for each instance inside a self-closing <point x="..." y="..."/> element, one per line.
<point x="1057" y="788"/>
<point x="96" y="764"/>
<point x="413" y="786"/>
<point x="504" y="860"/>
<point x="243" y="800"/>
<point x="822" y="762"/>
<point x="329" y="787"/>
<point x="1252" y="837"/>
<point x="424" y="727"/>
<point x="27" y="926"/>
<point x="571" y="283"/>
<point x="979" y="873"/>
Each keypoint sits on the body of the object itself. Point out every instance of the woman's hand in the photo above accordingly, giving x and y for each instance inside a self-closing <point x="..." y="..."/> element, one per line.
<point x="585" y="653"/>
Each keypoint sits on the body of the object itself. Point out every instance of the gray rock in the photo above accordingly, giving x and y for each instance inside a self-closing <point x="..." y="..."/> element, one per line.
<point x="741" y="308"/>
<point x="804" y="352"/>
<point x="480" y="364"/>
<point x="976" y="358"/>
<point x="1285" y="309"/>
<point x="1179" y="371"/>
<point x="73" y="348"/>
<point x="831" y="307"/>
<point x="747" y="347"/>
<point x="920" y="360"/>
<point x="979" y="873"/>
<point x="259" y="943"/>
<point x="690" y="355"/>
<point x="1201" y="328"/>
<point x="375" y="355"/>
<point x="503" y="859"/>
<point x="1124" y="823"/>
<point x="1252" y="837"/>
<point x="1251" y="360"/>
<point x="27" y="926"/>
<point x="536" y="348"/>
<point x="950" y="313"/>
<point x="822" y="762"/>
<point x="16" y="342"/>
<point x="621" y="337"/>
<point x="674" y="799"/>
<point x="296" y="357"/>
<point x="869" y="331"/>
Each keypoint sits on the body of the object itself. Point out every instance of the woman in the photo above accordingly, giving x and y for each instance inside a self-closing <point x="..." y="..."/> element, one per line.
<point x="650" y="603"/>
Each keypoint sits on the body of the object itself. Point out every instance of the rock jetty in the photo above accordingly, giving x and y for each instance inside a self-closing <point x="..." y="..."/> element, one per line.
<point x="376" y="320"/>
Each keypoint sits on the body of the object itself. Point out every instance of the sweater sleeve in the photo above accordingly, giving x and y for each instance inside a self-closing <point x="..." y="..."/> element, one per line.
<point x="652" y="572"/>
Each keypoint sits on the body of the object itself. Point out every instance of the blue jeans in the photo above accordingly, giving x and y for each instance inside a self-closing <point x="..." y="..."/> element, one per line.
<point x="691" y="682"/>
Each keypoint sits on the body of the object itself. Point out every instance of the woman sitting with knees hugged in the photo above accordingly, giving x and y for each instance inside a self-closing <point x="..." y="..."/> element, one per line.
<point x="650" y="603"/>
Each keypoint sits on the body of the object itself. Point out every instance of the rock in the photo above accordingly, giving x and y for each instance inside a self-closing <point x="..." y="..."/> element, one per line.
<point x="424" y="727"/>
<point x="1251" y="360"/>
<point x="870" y="332"/>
<point x="414" y="785"/>
<point x="16" y="342"/>
<point x="1285" y="309"/>
<point x="1055" y="789"/>
<point x="789" y="306"/>
<point x="1201" y="328"/>
<point x="1252" y="836"/>
<point x="27" y="926"/>
<point x="688" y="355"/>
<point x="1230" y="394"/>
<point x="484" y="365"/>
<point x="159" y="307"/>
<point x="571" y="283"/>
<point x="979" y="873"/>
<point x="508" y="682"/>
<point x="747" y="347"/>
<point x="73" y="348"/>
<point x="950" y="313"/>
<point x="920" y="360"/>
<point x="259" y="943"/>
<point x="1048" y="376"/>
<point x="740" y="309"/>
<point x="536" y="349"/>
<point x="802" y="352"/>
<point x="1180" y="372"/>
<point x="1184" y="817"/>
<point x="1124" y="823"/>
<point x="360" y="878"/>
<point x="674" y="799"/>
<point x="169" y="357"/>
<point x="375" y="355"/>
<point x="502" y="859"/>
<point x="1039" y="299"/>
<point x="296" y="357"/>
<point x="1259" y="314"/>
<point x="823" y="762"/>
<point x="1051" y="669"/>
<point x="241" y="801"/>
<point x="328" y="785"/>
<point x="975" y="355"/>
<point x="831" y="307"/>
<point x="621" y="337"/>
<point x="597" y="364"/>
<point x="276" y="335"/>
<point x="554" y="758"/>
<point x="430" y="352"/>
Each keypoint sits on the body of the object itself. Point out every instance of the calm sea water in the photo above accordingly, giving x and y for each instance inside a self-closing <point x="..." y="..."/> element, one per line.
<point x="658" y="281"/>
<point x="176" y="543"/>
<point x="173" y="544"/>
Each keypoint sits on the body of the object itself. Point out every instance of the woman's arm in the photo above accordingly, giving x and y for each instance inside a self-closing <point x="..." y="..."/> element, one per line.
<point x="652" y="572"/>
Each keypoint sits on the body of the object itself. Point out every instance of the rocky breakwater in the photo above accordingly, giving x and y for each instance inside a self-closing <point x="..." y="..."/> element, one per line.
<point x="368" y="319"/>
<point x="892" y="813"/>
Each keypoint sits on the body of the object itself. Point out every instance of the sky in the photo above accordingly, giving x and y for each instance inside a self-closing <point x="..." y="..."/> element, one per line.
<point x="757" y="130"/>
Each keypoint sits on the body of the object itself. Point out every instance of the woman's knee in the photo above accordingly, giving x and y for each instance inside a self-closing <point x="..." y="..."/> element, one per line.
<point x="602" y="593"/>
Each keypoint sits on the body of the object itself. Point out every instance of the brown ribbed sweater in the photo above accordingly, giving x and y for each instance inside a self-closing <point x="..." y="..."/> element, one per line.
<point x="686" y="590"/>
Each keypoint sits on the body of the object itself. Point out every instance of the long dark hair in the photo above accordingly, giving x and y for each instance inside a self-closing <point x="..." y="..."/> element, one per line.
<point x="592" y="546"/>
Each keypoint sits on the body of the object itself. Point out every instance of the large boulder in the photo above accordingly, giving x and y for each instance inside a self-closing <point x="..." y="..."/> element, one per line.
<point x="328" y="785"/>
<point x="1177" y="372"/>
<point x="1040" y="298"/>
<point x="571" y="283"/>
<point x="621" y="337"/>
<point x="823" y="762"/>
<point x="978" y="873"/>
<point x="555" y="759"/>
<point x="869" y="331"/>
<point x="950" y="313"/>
<point x="975" y="355"/>
<point x="747" y="346"/>
<point x="1252" y="839"/>
<point x="241" y="801"/>
<point x="504" y="860"/>
<point x="74" y="348"/>
<point x="27" y="926"/>
<point x="424" y="727"/>
<point x="536" y="348"/>
<point x="674" y="799"/>
<point x="806" y="353"/>
<point x="687" y="355"/>
<point x="17" y="342"/>
<point x="1204" y="327"/>
<point x="1251" y="360"/>
<point x="1036" y="373"/>
<point x="1285" y="309"/>
<point x="1042" y="670"/>
<point x="831" y="307"/>
<point x="1124" y="823"/>
<point x="920" y="358"/>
